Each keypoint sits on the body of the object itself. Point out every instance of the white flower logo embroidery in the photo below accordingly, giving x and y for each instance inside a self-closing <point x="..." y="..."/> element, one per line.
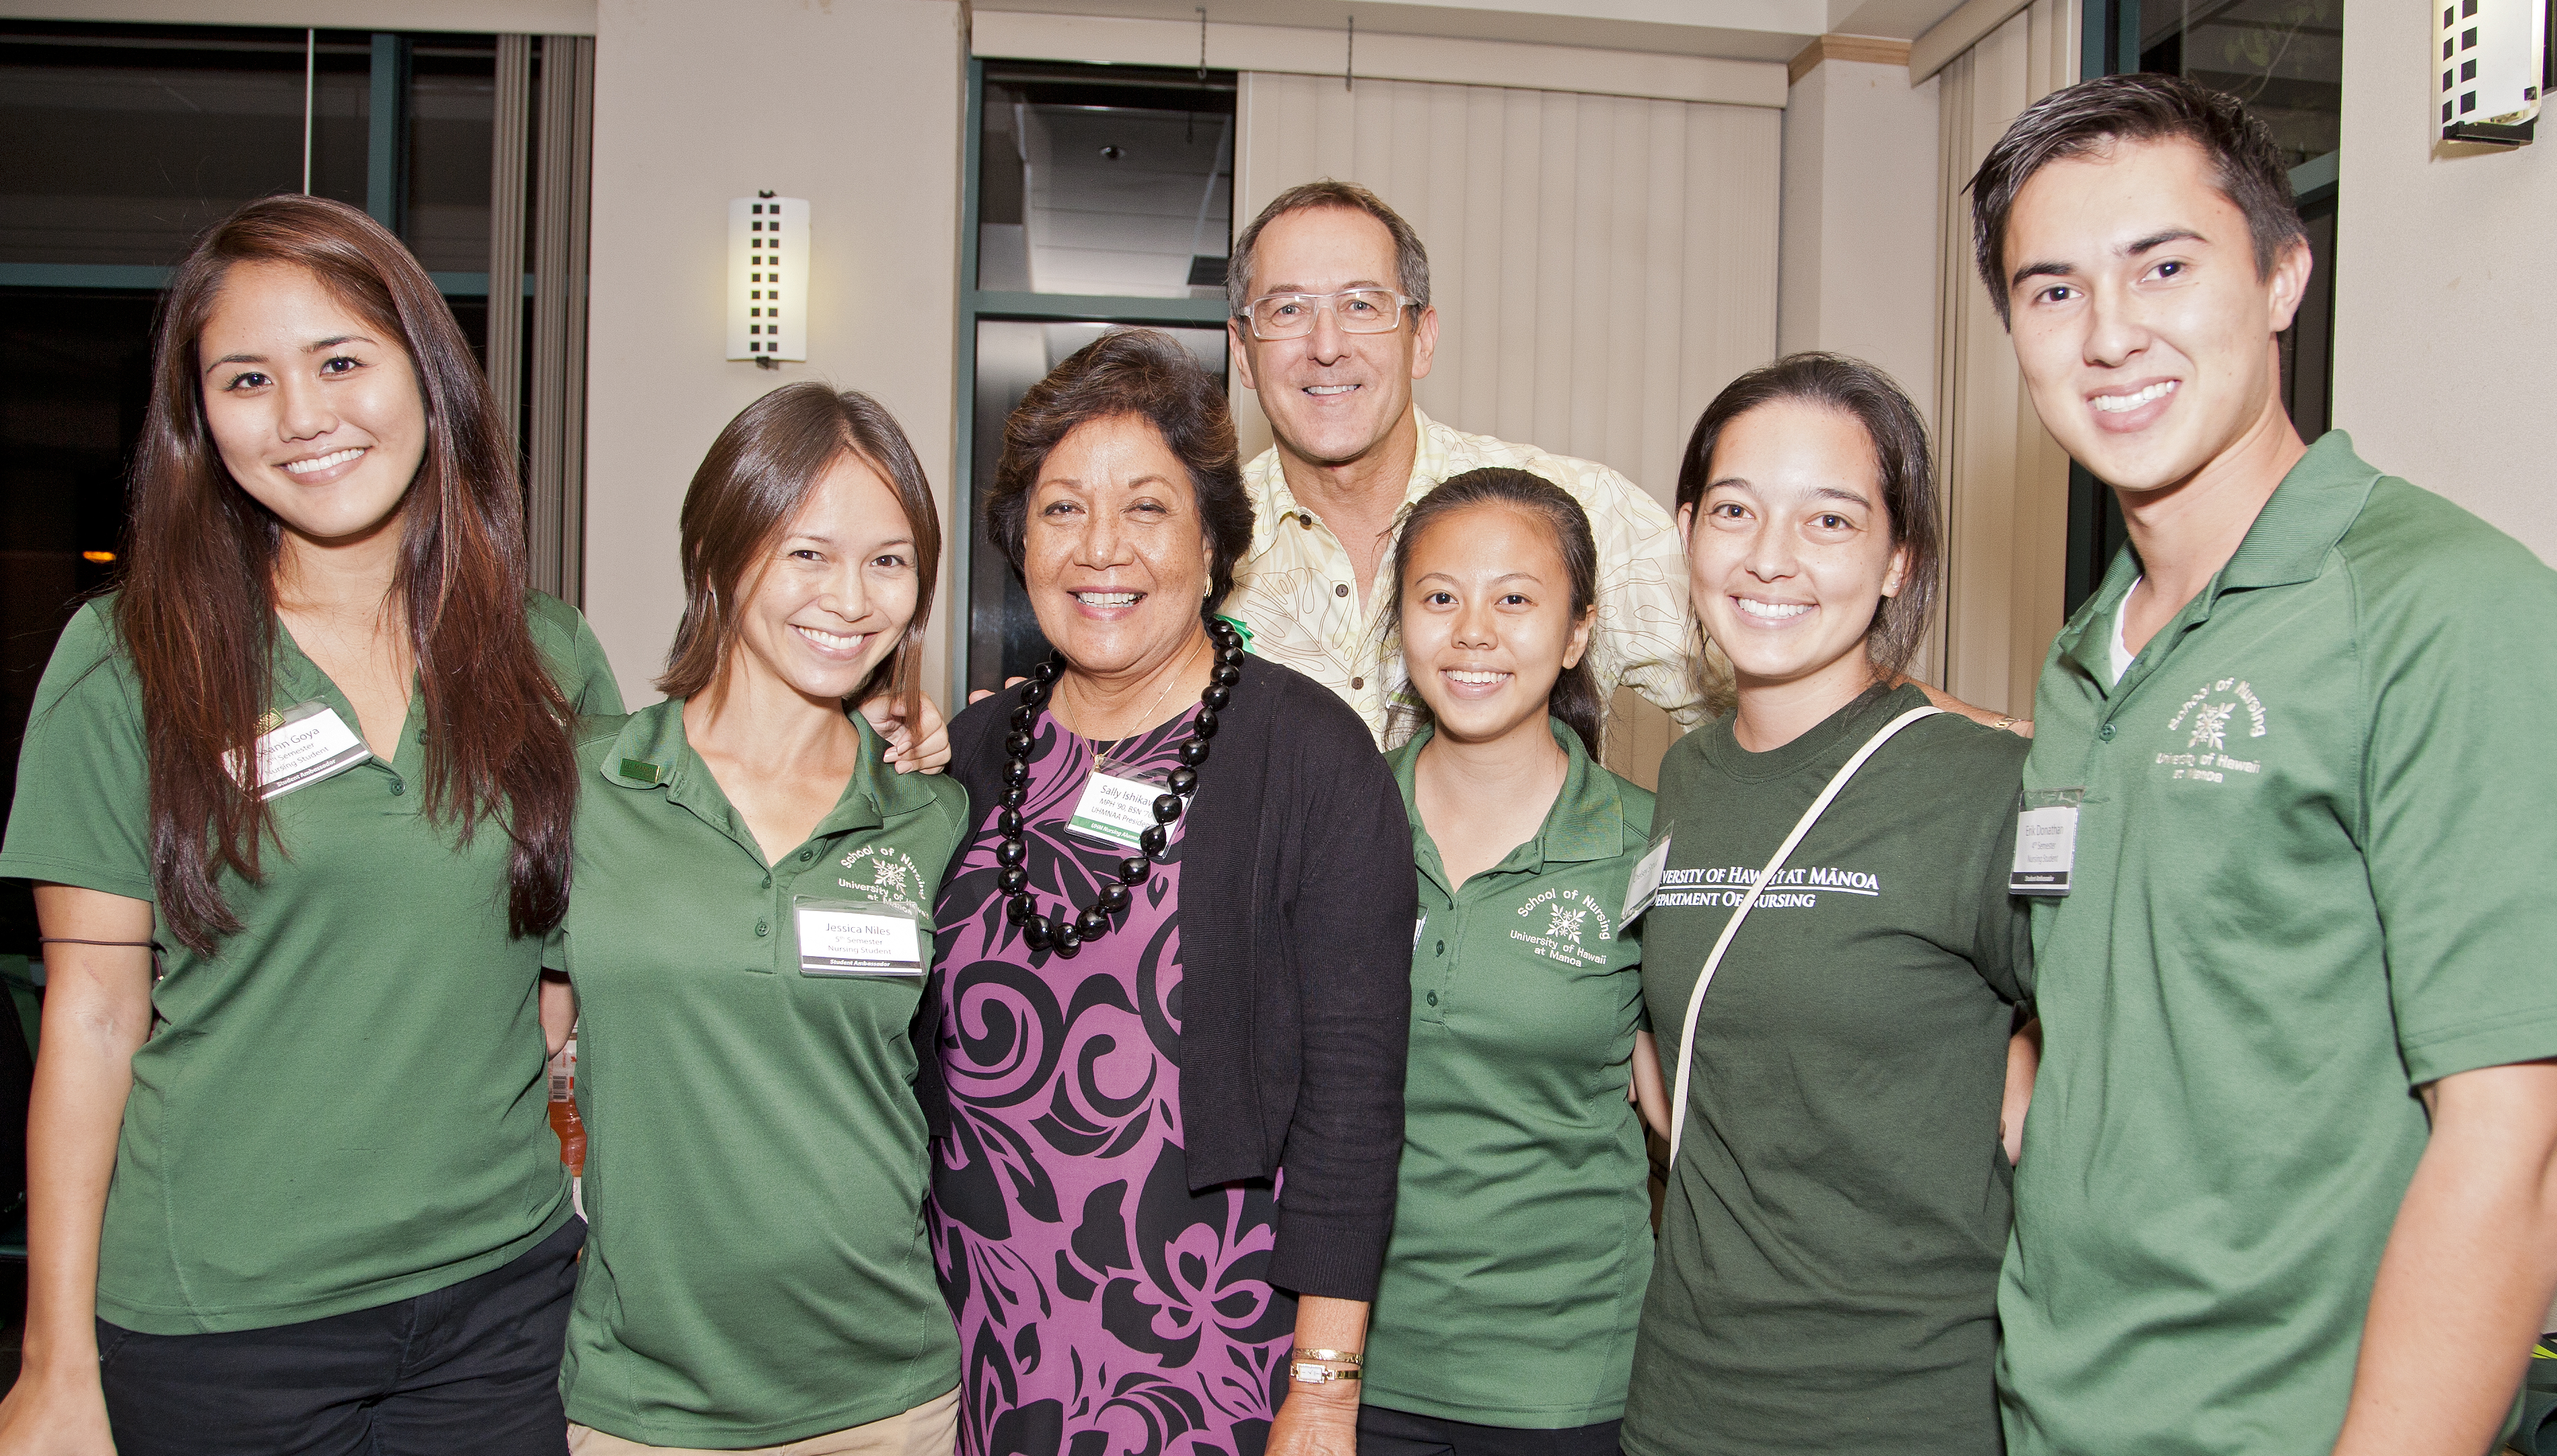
<point x="1565" y="923"/>
<point x="2211" y="725"/>
<point x="889" y="879"/>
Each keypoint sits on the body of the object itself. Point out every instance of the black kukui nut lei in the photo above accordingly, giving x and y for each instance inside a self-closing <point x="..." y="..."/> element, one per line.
<point x="1067" y="930"/>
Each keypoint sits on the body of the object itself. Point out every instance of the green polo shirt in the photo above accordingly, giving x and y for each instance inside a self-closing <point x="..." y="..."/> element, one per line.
<point x="1523" y="1229"/>
<point x="757" y="1270"/>
<point x="342" y="1106"/>
<point x="2311" y="874"/>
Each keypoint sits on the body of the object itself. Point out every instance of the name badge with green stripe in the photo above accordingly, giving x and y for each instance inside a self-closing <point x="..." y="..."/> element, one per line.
<point x="1119" y="805"/>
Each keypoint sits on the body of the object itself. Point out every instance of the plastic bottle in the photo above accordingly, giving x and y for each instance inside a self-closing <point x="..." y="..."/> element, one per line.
<point x="564" y="1118"/>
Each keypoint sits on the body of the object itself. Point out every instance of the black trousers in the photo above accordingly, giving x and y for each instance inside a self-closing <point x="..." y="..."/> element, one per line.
<point x="473" y="1368"/>
<point x="1384" y="1433"/>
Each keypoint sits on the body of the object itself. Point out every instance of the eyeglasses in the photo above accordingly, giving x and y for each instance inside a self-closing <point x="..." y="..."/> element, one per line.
<point x="1359" y="310"/>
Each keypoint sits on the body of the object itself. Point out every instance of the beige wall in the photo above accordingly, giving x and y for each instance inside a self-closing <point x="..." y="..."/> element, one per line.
<point x="1601" y="265"/>
<point x="2443" y="307"/>
<point x="2004" y="479"/>
<point x="855" y="105"/>
<point x="1858" y="263"/>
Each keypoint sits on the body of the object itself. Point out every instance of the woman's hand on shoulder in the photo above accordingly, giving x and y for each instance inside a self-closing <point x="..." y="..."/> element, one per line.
<point x="55" y="1416"/>
<point x="925" y="745"/>
<point x="2022" y="727"/>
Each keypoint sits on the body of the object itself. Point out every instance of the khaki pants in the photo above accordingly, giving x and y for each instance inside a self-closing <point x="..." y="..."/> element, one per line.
<point x="929" y="1429"/>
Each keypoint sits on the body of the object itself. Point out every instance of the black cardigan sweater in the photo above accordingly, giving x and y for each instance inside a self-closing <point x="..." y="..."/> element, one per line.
<point x="1297" y="898"/>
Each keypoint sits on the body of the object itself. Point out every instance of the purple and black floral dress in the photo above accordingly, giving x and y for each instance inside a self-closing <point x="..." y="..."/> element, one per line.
<point x="1104" y="1310"/>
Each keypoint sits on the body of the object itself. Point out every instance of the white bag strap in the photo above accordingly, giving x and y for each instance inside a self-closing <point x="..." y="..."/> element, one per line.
<point x="1811" y="816"/>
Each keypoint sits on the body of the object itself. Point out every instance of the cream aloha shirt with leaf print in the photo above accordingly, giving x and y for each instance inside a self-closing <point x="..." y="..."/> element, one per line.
<point x="1294" y="590"/>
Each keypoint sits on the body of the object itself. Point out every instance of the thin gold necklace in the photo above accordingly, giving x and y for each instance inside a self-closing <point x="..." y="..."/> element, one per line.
<point x="1142" y="723"/>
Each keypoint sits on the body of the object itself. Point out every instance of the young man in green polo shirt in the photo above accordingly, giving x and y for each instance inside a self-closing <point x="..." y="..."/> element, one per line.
<point x="2287" y="1179"/>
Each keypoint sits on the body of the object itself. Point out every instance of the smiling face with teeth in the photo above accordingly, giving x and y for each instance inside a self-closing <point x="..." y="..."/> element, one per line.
<point x="1790" y="552"/>
<point x="2143" y="328"/>
<point x="1487" y="622"/>
<point x="1114" y="553"/>
<point x="832" y="596"/>
<point x="1332" y="398"/>
<point x="315" y="410"/>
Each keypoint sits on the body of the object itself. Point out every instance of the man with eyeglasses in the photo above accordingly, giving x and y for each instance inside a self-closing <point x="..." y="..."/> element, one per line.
<point x="1331" y="324"/>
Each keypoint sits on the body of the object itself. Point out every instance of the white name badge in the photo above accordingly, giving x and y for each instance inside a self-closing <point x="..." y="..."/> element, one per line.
<point x="1647" y="879"/>
<point x="2046" y="841"/>
<point x="312" y="743"/>
<point x="859" y="938"/>
<point x="1114" y="808"/>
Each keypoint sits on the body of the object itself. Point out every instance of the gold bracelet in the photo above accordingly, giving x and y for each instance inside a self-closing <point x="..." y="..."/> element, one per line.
<point x="2004" y="723"/>
<point x="1337" y="1357"/>
<point x="1307" y="1373"/>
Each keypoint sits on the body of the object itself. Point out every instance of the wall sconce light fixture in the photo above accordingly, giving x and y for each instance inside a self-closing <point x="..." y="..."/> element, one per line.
<point x="768" y="279"/>
<point x="2492" y="58"/>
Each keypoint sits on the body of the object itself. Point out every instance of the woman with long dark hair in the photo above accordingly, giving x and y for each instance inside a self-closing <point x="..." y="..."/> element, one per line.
<point x="298" y="803"/>
<point x="1523" y="1228"/>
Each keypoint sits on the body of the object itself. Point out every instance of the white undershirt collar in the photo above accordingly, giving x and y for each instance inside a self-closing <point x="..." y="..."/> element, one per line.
<point x="2122" y="654"/>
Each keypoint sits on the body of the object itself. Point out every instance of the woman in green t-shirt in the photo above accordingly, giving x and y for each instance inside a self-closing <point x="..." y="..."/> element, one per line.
<point x="1505" y="1320"/>
<point x="747" y="945"/>
<point x="1837" y="1196"/>
<point x="295" y="1192"/>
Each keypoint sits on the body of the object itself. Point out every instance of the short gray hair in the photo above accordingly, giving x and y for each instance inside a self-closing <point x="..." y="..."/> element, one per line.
<point x="1411" y="259"/>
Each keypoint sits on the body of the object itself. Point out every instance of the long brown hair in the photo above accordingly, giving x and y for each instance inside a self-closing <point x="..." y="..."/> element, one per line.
<point x="198" y="607"/>
<point x="758" y="474"/>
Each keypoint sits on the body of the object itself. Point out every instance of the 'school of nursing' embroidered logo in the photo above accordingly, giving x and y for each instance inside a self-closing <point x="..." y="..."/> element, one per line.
<point x="1569" y="915"/>
<point x="2212" y="713"/>
<point x="891" y="873"/>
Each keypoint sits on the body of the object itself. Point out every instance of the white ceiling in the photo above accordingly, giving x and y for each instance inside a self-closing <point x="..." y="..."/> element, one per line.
<point x="1740" y="30"/>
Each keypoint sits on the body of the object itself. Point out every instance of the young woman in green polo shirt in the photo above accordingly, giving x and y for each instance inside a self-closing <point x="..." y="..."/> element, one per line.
<point x="1837" y="1199"/>
<point x="747" y="944"/>
<point x="298" y="803"/>
<point x="1522" y="1236"/>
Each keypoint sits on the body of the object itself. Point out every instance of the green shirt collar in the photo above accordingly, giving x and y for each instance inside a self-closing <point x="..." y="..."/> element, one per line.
<point x="2306" y="515"/>
<point x="651" y="753"/>
<point x="1586" y="822"/>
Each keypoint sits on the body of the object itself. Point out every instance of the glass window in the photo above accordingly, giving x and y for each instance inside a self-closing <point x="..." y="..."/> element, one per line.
<point x="75" y="376"/>
<point x="1120" y="183"/>
<point x="1004" y="637"/>
<point x="122" y="143"/>
<point x="451" y="140"/>
<point x="2283" y="58"/>
<point x="126" y="141"/>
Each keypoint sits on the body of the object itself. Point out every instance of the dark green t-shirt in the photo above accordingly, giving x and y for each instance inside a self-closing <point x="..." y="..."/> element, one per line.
<point x="1523" y="1228"/>
<point x="1827" y="1269"/>
<point x="342" y="1105"/>
<point x="758" y="1271"/>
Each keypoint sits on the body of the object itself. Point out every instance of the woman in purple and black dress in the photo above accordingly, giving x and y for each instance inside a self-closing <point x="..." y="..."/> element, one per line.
<point x="1163" y="1043"/>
